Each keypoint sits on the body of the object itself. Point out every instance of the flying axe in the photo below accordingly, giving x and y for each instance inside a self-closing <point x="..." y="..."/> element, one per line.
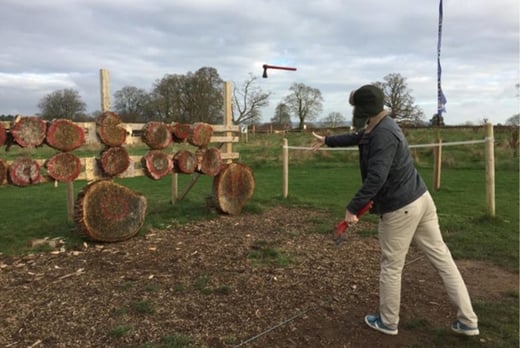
<point x="266" y="66"/>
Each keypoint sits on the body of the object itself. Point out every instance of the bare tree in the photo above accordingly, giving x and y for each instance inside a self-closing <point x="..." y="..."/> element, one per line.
<point x="399" y="99"/>
<point x="282" y="116"/>
<point x="247" y="102"/>
<point x="194" y="97"/>
<point x="334" y="119"/>
<point x="304" y="102"/>
<point x="131" y="104"/>
<point x="65" y="103"/>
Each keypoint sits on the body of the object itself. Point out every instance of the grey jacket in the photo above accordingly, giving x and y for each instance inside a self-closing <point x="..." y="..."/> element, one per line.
<point x="388" y="173"/>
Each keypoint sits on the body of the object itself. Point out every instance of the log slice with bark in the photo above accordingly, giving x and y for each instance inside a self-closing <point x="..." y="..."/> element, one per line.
<point x="200" y="134"/>
<point x="185" y="162"/>
<point x="211" y="162"/>
<point x="109" y="130"/>
<point x="109" y="212"/>
<point x="157" y="135"/>
<point x="157" y="164"/>
<point x="28" y="131"/>
<point x="233" y="187"/>
<point x="63" y="167"/>
<point x="114" y="161"/>
<point x="65" y="135"/>
<point x="24" y="171"/>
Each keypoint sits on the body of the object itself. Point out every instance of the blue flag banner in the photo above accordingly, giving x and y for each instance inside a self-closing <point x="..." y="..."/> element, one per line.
<point x="441" y="99"/>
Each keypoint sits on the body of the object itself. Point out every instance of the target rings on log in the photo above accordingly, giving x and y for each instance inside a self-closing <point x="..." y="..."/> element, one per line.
<point x="233" y="187"/>
<point x="200" y="134"/>
<point x="157" y="164"/>
<point x="64" y="167"/>
<point x="109" y="130"/>
<point x="65" y="135"/>
<point x="114" y="160"/>
<point x="29" y="131"/>
<point x="211" y="162"/>
<point x="3" y="172"/>
<point x="157" y="135"/>
<point x="24" y="171"/>
<point x="109" y="212"/>
<point x="180" y="131"/>
<point x="185" y="162"/>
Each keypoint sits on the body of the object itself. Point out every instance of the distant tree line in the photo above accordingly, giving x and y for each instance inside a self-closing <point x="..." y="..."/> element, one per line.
<point x="198" y="97"/>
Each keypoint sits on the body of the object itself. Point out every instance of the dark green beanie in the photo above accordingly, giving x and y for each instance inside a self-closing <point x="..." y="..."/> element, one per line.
<point x="368" y="101"/>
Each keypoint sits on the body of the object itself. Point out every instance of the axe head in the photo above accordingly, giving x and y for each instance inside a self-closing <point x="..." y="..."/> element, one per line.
<point x="264" y="75"/>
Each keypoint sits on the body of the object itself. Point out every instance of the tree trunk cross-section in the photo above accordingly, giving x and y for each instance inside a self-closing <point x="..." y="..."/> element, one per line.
<point x="29" y="131"/>
<point x="109" y="212"/>
<point x="64" y="167"/>
<point x="157" y="164"/>
<point x="65" y="135"/>
<point x="157" y="135"/>
<point x="233" y="187"/>
<point x="185" y="162"/>
<point x="24" y="171"/>
<point x="109" y="130"/>
<point x="114" y="161"/>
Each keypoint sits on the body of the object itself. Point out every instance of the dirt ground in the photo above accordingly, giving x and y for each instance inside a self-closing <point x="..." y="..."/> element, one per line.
<point x="199" y="280"/>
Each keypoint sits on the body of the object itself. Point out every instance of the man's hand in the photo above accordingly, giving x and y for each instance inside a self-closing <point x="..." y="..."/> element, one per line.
<point x="319" y="141"/>
<point x="350" y="218"/>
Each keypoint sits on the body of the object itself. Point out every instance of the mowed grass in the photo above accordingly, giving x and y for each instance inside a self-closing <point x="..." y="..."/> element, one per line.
<point x="321" y="180"/>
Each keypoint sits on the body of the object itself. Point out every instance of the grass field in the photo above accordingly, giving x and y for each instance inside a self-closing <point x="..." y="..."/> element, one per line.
<point x="316" y="179"/>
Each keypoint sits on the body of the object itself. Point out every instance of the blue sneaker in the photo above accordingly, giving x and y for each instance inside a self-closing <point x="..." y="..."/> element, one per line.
<point x="374" y="321"/>
<point x="462" y="329"/>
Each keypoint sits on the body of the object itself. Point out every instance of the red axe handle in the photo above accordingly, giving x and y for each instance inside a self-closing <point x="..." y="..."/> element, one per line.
<point x="342" y="226"/>
<point x="267" y="66"/>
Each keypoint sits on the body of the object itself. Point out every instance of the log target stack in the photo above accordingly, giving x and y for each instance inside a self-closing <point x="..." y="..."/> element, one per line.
<point x="63" y="167"/>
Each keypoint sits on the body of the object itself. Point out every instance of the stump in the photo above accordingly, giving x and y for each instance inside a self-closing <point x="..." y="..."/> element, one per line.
<point x="28" y="131"/>
<point x="114" y="161"/>
<point x="180" y="131"/>
<point x="233" y="187"/>
<point x="109" y="130"/>
<point x="157" y="164"/>
<point x="156" y="135"/>
<point x="3" y="135"/>
<point x="109" y="212"/>
<point x="211" y="162"/>
<point x="63" y="167"/>
<point x="200" y="134"/>
<point x="3" y="172"/>
<point x="65" y="135"/>
<point x="185" y="162"/>
<point x="24" y="171"/>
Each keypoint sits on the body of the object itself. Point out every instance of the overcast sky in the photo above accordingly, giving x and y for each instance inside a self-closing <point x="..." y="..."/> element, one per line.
<point x="336" y="46"/>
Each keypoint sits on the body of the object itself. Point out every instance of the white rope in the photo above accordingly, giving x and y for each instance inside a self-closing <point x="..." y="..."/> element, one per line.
<point x="469" y="142"/>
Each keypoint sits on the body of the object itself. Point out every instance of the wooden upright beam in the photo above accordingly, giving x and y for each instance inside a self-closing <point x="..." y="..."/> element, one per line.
<point x="228" y="116"/>
<point x="104" y="78"/>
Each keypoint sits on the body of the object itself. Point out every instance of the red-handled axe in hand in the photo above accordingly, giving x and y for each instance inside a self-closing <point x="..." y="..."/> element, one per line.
<point x="266" y="66"/>
<point x="342" y="226"/>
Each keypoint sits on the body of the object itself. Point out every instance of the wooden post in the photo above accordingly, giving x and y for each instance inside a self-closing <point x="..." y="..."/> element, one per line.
<point x="228" y="116"/>
<point x="175" y="187"/>
<point x="285" y="155"/>
<point x="70" y="201"/>
<point x="105" y="89"/>
<point x="490" y="169"/>
<point x="437" y="164"/>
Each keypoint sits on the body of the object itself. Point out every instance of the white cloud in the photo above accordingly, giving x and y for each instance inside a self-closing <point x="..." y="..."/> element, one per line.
<point x="335" y="45"/>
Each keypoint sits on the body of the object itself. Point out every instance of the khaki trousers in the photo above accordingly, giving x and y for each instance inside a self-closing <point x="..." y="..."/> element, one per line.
<point x="418" y="222"/>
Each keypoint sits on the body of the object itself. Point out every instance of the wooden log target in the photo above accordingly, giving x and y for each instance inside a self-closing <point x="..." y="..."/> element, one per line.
<point x="65" y="135"/>
<point x="200" y="134"/>
<point x="109" y="130"/>
<point x="157" y="135"/>
<point x="233" y="187"/>
<point x="63" y="167"/>
<point x="24" y="171"/>
<point x="211" y="162"/>
<point x="180" y="131"/>
<point x="114" y="160"/>
<point x="109" y="212"/>
<point x="28" y="131"/>
<point x="185" y="162"/>
<point x="157" y="164"/>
